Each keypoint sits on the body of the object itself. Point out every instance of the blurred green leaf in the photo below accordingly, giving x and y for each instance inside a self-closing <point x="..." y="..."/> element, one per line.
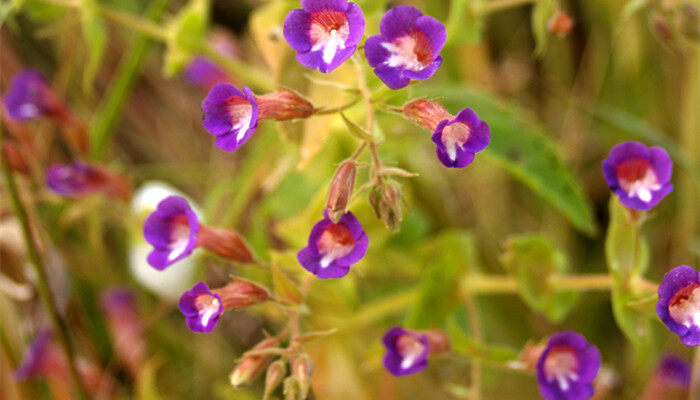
<point x="95" y="35"/>
<point x="265" y="23"/>
<point x="631" y="8"/>
<point x="532" y="259"/>
<point x="447" y="258"/>
<point x="9" y="8"/>
<point x="462" y="343"/>
<point x="284" y="288"/>
<point x="523" y="149"/>
<point x="185" y="35"/>
<point x="627" y="255"/>
<point x="541" y="13"/>
<point x="465" y="22"/>
<point x="147" y="387"/>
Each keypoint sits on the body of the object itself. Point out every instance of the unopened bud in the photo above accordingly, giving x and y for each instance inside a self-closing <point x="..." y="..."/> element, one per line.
<point x="438" y="342"/>
<point x="226" y="243"/>
<point x="80" y="179"/>
<point x="560" y="24"/>
<point x="275" y="373"/>
<point x="291" y="389"/>
<point x="340" y="190"/>
<point x="242" y="293"/>
<point x="302" y="368"/>
<point x="391" y="206"/>
<point x="662" y="28"/>
<point x="425" y="113"/>
<point x="283" y="105"/>
<point x="252" y="364"/>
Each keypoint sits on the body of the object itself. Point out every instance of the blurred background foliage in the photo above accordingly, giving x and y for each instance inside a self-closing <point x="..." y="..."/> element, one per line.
<point x="628" y="70"/>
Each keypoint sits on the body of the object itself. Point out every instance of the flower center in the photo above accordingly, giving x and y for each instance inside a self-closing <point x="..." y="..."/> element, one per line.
<point x="179" y="236"/>
<point x="684" y="307"/>
<point x="410" y="348"/>
<point x="637" y="178"/>
<point x="241" y="112"/>
<point x="561" y="365"/>
<point x="335" y="242"/>
<point x="207" y="307"/>
<point x="455" y="135"/>
<point x="329" y="31"/>
<point x="412" y="52"/>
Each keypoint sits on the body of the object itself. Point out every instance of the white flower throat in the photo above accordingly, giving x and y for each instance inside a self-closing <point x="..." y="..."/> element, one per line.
<point x="637" y="178"/>
<point x="561" y="366"/>
<point x="328" y="32"/>
<point x="335" y="242"/>
<point x="684" y="307"/>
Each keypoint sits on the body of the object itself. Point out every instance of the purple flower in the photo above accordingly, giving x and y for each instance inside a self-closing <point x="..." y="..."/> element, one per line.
<point x="204" y="73"/>
<point x="638" y="175"/>
<point x="79" y="179"/>
<point x="407" y="351"/>
<point x="172" y="230"/>
<point x="324" y="33"/>
<point x="201" y="307"/>
<point x="230" y="114"/>
<point x="29" y="97"/>
<point x="459" y="139"/>
<point x="407" y="47"/>
<point x="567" y="367"/>
<point x="40" y="358"/>
<point x="333" y="247"/>
<point x="674" y="371"/>
<point x="679" y="303"/>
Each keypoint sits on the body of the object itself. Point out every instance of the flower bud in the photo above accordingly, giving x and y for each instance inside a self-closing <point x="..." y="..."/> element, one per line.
<point x="391" y="208"/>
<point x="425" y="113"/>
<point x="291" y="389"/>
<point x="560" y="24"/>
<point x="15" y="158"/>
<point x="252" y="364"/>
<point x="340" y="190"/>
<point x="662" y="28"/>
<point x="302" y="368"/>
<point x="242" y="293"/>
<point x="79" y="179"/>
<point x="283" y="105"/>
<point x="226" y="243"/>
<point x="690" y="21"/>
<point x="275" y="373"/>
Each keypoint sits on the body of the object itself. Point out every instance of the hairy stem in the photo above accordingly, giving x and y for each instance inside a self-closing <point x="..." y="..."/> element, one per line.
<point x="42" y="286"/>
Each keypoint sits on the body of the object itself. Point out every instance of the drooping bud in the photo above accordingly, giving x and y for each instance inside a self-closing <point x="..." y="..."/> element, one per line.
<point x="275" y="373"/>
<point x="340" y="190"/>
<point x="426" y="113"/>
<point x="438" y="341"/>
<point x="560" y="24"/>
<point x="302" y="369"/>
<point x="228" y="244"/>
<point x="242" y="293"/>
<point x="386" y="201"/>
<point x="283" y="105"/>
<point x="253" y="363"/>
<point x="79" y="179"/>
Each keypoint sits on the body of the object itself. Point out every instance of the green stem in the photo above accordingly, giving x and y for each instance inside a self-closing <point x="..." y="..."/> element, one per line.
<point x="42" y="285"/>
<point x="106" y="117"/>
<point x="334" y="110"/>
<point x="239" y="69"/>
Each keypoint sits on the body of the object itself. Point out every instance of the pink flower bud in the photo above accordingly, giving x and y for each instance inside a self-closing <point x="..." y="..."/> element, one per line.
<point x="340" y="190"/>
<point x="275" y="373"/>
<point x="225" y="243"/>
<point x="560" y="24"/>
<point x="283" y="105"/>
<point x="426" y="113"/>
<point x="302" y="369"/>
<point x="242" y="293"/>
<point x="252" y="364"/>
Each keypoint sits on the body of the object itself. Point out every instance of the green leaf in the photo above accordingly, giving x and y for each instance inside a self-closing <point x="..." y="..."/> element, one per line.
<point x="532" y="259"/>
<point x="285" y="289"/>
<point x="522" y="148"/>
<point x="185" y="35"/>
<point x="465" y="23"/>
<point x="447" y="258"/>
<point x="95" y="35"/>
<point x="543" y="11"/>
<point x="626" y="252"/>
<point x="147" y="387"/>
<point x="355" y="129"/>
<point x="627" y="256"/>
<point x="631" y="7"/>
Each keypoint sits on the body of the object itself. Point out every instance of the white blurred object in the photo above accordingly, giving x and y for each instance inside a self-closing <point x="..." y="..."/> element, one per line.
<point x="177" y="278"/>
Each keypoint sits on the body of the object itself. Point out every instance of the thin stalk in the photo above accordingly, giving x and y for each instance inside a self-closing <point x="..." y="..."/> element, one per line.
<point x="326" y="111"/>
<point x="367" y="96"/>
<point x="43" y="290"/>
<point x="475" y="327"/>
